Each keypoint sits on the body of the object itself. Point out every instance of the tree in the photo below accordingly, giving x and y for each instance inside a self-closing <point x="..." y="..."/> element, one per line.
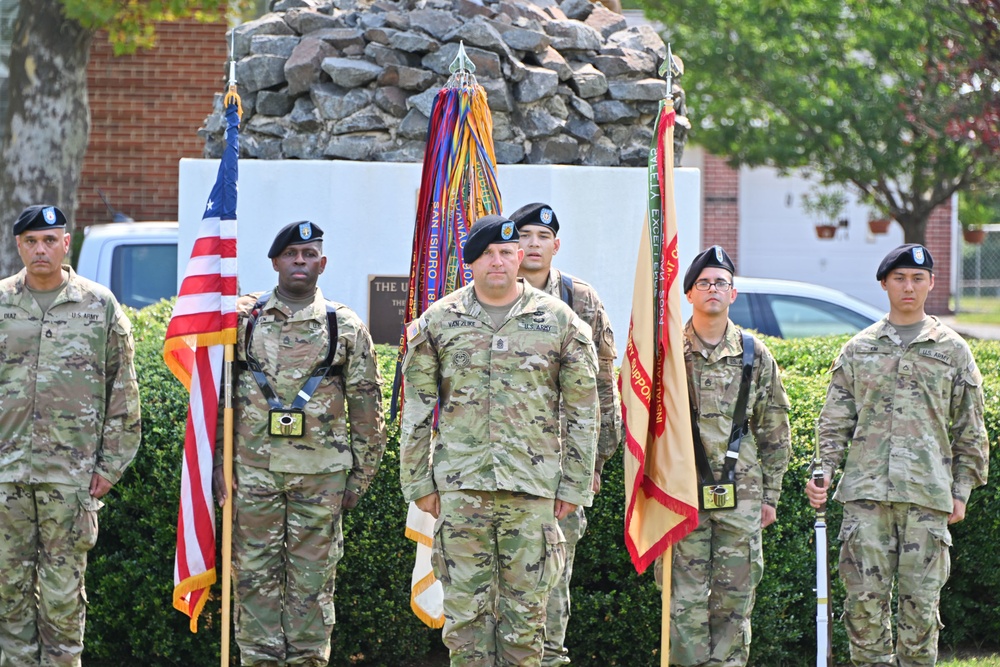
<point x="896" y="98"/>
<point x="45" y="132"/>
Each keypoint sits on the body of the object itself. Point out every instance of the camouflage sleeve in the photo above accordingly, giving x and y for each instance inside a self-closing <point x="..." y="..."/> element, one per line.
<point x="607" y="389"/>
<point x="839" y="416"/>
<point x="420" y="394"/>
<point x="969" y="440"/>
<point x="363" y="390"/>
<point x="769" y="424"/>
<point x="122" y="418"/>
<point x="578" y="387"/>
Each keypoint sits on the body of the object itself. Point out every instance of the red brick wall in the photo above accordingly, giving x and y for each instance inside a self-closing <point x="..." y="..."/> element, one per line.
<point x="938" y="241"/>
<point x="720" y="214"/>
<point x="145" y="110"/>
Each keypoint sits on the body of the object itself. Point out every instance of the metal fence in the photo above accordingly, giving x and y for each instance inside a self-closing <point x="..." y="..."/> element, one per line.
<point x="979" y="282"/>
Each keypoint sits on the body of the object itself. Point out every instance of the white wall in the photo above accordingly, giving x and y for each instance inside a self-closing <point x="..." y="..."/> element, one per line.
<point x="367" y="211"/>
<point x="778" y="240"/>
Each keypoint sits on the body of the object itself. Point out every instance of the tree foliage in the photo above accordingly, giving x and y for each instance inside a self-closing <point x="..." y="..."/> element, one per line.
<point x="898" y="99"/>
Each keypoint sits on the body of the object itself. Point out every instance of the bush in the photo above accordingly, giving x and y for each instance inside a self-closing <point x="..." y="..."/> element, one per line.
<point x="616" y="615"/>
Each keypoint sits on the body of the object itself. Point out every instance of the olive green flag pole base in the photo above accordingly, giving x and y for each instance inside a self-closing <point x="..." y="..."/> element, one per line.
<point x="227" y="508"/>
<point x="668" y="561"/>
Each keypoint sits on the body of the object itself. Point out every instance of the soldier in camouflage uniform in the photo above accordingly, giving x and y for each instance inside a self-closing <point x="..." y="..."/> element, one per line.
<point x="498" y="357"/>
<point x="538" y="227"/>
<point x="905" y="403"/>
<point x="717" y="567"/>
<point x="290" y="492"/>
<point x="69" y="427"/>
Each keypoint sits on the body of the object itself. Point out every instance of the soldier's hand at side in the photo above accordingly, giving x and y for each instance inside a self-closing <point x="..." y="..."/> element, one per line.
<point x="219" y="485"/>
<point x="350" y="500"/>
<point x="957" y="512"/>
<point x="768" y="515"/>
<point x="816" y="495"/>
<point x="99" y="486"/>
<point x="596" y="487"/>
<point x="244" y="304"/>
<point x="431" y="503"/>
<point x="564" y="509"/>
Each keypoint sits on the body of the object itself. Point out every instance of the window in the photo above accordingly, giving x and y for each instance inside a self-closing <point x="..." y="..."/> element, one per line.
<point x="798" y="317"/>
<point x="739" y="311"/>
<point x="143" y="274"/>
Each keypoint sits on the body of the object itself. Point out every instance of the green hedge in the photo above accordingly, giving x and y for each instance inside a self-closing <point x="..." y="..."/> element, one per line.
<point x="616" y="616"/>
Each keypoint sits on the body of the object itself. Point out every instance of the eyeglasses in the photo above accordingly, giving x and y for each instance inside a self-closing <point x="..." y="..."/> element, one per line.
<point x="719" y="285"/>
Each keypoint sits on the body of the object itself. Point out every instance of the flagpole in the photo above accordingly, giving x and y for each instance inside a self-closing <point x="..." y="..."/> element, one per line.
<point x="668" y="564"/>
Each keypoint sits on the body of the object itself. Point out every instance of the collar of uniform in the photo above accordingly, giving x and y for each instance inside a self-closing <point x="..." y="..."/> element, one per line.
<point x="22" y="298"/>
<point x="731" y="344"/>
<point x="553" y="283"/>
<point x="315" y="311"/>
<point x="930" y="331"/>
<point x="468" y="304"/>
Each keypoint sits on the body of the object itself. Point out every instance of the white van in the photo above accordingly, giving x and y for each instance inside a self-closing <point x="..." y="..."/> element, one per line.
<point x="136" y="260"/>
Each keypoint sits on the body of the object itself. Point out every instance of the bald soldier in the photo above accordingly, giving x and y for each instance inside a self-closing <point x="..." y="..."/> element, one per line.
<point x="905" y="405"/>
<point x="70" y="427"/>
<point x="309" y="439"/>
<point x="492" y="362"/>
<point x="538" y="227"/>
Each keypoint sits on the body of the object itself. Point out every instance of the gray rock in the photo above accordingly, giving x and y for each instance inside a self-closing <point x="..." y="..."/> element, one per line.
<point x="267" y="125"/>
<point x="469" y="9"/>
<point x="258" y="72"/>
<point x="434" y="22"/>
<point x="414" y="42"/>
<point x="606" y="21"/>
<point x="414" y="126"/>
<point x="304" y="116"/>
<point x="537" y="122"/>
<point x="555" y="106"/>
<point x="341" y="38"/>
<point x="262" y="148"/>
<point x="625" y="63"/>
<point x="497" y="94"/>
<point x="335" y="103"/>
<point x="405" y="151"/>
<point x="350" y="148"/>
<point x="350" y="73"/>
<point x="479" y="32"/>
<point x="643" y="89"/>
<point x="380" y="35"/>
<point x="573" y="36"/>
<point x="561" y="149"/>
<point x="408" y="78"/>
<point x="635" y="155"/>
<point x="302" y="69"/>
<point x="268" y="24"/>
<point x="640" y="38"/>
<point x="397" y="20"/>
<point x="487" y="63"/>
<point x="553" y="60"/>
<point x="423" y="102"/>
<point x="602" y="153"/>
<point x="508" y="152"/>
<point x="273" y="45"/>
<point x="514" y="70"/>
<point x="384" y="56"/>
<point x="365" y="120"/>
<point x="392" y="100"/>
<point x="588" y="82"/>
<point x="303" y="147"/>
<point x="614" y="111"/>
<point x="368" y="20"/>
<point x="539" y="83"/>
<point x="273" y="104"/>
<point x="583" y="129"/>
<point x="519" y="9"/>
<point x="305" y="21"/>
<point x="521" y="39"/>
<point x="578" y="10"/>
<point x="285" y="5"/>
<point x="503" y="130"/>
<point x="582" y="107"/>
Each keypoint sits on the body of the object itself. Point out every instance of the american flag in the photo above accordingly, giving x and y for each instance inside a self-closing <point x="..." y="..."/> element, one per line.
<point x="203" y="322"/>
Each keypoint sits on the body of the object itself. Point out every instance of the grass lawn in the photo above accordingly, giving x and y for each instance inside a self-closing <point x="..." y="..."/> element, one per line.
<point x="978" y="310"/>
<point x="969" y="659"/>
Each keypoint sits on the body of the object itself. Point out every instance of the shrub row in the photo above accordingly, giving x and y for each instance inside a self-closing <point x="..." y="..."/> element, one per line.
<point x="616" y="615"/>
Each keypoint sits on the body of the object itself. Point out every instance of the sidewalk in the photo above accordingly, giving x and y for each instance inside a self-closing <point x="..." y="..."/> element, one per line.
<point x="982" y="331"/>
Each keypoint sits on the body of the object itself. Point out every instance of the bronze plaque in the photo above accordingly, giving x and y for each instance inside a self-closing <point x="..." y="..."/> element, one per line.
<point x="386" y="306"/>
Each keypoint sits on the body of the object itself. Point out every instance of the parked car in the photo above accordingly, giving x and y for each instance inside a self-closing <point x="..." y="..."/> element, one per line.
<point x="136" y="260"/>
<point x="790" y="309"/>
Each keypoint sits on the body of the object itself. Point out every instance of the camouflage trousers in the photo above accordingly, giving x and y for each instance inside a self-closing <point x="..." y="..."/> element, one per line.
<point x="497" y="555"/>
<point x="557" y="612"/>
<point x="715" y="573"/>
<point x="287" y="540"/>
<point x="46" y="531"/>
<point x="879" y="540"/>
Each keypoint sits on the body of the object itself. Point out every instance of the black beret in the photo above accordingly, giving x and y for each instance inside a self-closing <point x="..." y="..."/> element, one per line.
<point x="714" y="256"/>
<point x="536" y="214"/>
<point x="295" y="233"/>
<point x="39" y="216"/>
<point x="488" y="229"/>
<point x="907" y="256"/>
